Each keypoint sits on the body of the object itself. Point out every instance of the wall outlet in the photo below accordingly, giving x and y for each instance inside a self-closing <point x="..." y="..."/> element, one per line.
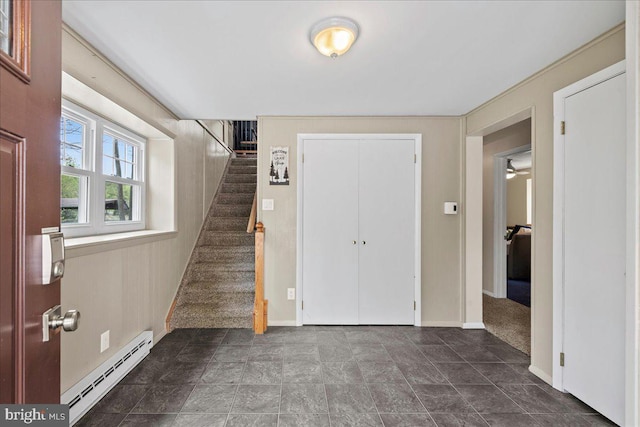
<point x="104" y="341"/>
<point x="291" y="293"/>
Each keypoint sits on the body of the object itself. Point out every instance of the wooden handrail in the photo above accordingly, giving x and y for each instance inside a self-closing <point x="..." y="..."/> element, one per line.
<point x="251" y="225"/>
<point x="260" y="304"/>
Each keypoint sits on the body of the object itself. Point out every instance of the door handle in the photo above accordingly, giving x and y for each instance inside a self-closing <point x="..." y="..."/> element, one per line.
<point x="53" y="319"/>
<point x="364" y="243"/>
<point x="354" y="242"/>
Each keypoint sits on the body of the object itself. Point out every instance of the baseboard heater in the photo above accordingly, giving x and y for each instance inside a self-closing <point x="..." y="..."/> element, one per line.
<point x="88" y="391"/>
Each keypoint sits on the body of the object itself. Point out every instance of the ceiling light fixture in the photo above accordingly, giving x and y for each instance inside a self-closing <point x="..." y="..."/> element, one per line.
<point x="511" y="171"/>
<point x="334" y="36"/>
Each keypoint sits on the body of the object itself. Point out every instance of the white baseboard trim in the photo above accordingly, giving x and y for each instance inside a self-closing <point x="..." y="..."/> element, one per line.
<point x="486" y="292"/>
<point x="281" y="323"/>
<point x="473" y="325"/>
<point x="441" y="323"/>
<point x="541" y="374"/>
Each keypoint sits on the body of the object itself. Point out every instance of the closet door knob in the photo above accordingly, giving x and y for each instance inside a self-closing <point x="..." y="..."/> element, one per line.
<point x="354" y="242"/>
<point x="364" y="243"/>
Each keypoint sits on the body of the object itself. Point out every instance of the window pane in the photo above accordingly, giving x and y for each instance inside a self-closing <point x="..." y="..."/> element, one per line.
<point x="107" y="145"/>
<point x="74" y="132"/>
<point x="72" y="199"/>
<point x="129" y="157"/>
<point x="107" y="165"/>
<point x="119" y="202"/>
<point x="72" y="156"/>
<point x="128" y="167"/>
<point x="119" y="152"/>
<point x="6" y="24"/>
<point x="71" y="142"/>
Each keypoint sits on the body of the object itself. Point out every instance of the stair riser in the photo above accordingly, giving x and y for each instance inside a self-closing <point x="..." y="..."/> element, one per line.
<point x="238" y="188"/>
<point x="230" y="277"/>
<point x="202" y="288"/>
<point x="227" y="224"/>
<point x="243" y="162"/>
<point x="212" y="296"/>
<point x="224" y="258"/>
<point x="244" y="178"/>
<point x="234" y="199"/>
<point x="219" y="239"/>
<point x="231" y="211"/>
<point x="203" y="272"/>
<point x="230" y="322"/>
<point x="242" y="170"/>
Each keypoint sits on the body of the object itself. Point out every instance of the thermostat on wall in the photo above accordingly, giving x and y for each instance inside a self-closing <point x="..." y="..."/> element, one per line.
<point x="451" y="208"/>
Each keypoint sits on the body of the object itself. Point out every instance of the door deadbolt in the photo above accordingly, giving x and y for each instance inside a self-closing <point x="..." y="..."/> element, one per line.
<point x="53" y="319"/>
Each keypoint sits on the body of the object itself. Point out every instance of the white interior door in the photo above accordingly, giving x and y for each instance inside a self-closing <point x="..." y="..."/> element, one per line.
<point x="386" y="230"/>
<point x="330" y="232"/>
<point x="594" y="246"/>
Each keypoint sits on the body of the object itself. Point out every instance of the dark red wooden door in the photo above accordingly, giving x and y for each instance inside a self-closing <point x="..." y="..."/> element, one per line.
<point x="30" y="78"/>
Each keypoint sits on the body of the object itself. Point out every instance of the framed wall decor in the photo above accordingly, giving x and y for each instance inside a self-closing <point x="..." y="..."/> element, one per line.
<point x="279" y="167"/>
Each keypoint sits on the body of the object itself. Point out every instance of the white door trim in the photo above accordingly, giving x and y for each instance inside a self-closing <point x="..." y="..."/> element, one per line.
<point x="417" y="138"/>
<point x="472" y="288"/>
<point x="558" y="209"/>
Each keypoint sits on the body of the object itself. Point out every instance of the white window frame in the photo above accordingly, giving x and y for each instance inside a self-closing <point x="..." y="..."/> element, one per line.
<point x="91" y="174"/>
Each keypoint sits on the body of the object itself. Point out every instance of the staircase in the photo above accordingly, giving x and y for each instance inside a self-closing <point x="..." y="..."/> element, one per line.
<point x="217" y="290"/>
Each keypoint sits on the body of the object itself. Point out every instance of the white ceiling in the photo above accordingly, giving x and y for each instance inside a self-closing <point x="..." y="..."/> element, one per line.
<point x="242" y="59"/>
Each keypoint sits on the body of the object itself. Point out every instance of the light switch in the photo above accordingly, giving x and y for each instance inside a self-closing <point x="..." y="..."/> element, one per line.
<point x="267" y="204"/>
<point x="291" y="293"/>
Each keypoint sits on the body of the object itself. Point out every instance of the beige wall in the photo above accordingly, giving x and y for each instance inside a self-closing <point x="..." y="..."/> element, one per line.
<point x="537" y="93"/>
<point x="503" y="140"/>
<point x="128" y="286"/>
<point x="441" y="181"/>
<point x="517" y="200"/>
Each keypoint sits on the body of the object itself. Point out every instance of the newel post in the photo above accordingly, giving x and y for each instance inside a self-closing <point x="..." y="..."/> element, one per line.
<point x="260" y="304"/>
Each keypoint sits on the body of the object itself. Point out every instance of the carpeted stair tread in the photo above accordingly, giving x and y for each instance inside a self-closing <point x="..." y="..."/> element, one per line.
<point x="217" y="289"/>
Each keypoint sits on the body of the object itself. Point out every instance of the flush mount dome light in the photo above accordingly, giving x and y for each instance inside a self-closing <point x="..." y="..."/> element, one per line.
<point x="334" y="36"/>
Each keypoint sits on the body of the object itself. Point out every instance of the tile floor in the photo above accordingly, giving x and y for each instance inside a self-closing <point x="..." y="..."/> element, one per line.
<point x="336" y="376"/>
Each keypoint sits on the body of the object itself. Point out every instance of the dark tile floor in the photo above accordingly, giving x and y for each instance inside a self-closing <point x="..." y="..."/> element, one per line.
<point x="336" y="376"/>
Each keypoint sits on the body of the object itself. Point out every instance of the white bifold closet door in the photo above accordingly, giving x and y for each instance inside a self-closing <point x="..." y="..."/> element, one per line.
<point x="358" y="231"/>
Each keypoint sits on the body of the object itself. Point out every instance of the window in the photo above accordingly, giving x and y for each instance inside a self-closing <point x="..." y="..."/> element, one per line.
<point x="15" y="37"/>
<point x="6" y="24"/>
<point x="102" y="182"/>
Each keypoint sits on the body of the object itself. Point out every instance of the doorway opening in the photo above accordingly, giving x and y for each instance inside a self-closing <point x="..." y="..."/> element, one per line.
<point x="507" y="230"/>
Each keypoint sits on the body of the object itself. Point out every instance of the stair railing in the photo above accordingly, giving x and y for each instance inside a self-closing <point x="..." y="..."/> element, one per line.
<point x="251" y="225"/>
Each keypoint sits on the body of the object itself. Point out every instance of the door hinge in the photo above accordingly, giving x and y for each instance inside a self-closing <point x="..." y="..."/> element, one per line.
<point x="302" y="157"/>
<point x="562" y="127"/>
<point x="302" y="305"/>
<point x="561" y="359"/>
<point x="414" y="306"/>
<point x="415" y="158"/>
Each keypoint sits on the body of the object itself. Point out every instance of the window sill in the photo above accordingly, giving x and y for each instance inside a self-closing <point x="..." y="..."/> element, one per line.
<point x="82" y="246"/>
